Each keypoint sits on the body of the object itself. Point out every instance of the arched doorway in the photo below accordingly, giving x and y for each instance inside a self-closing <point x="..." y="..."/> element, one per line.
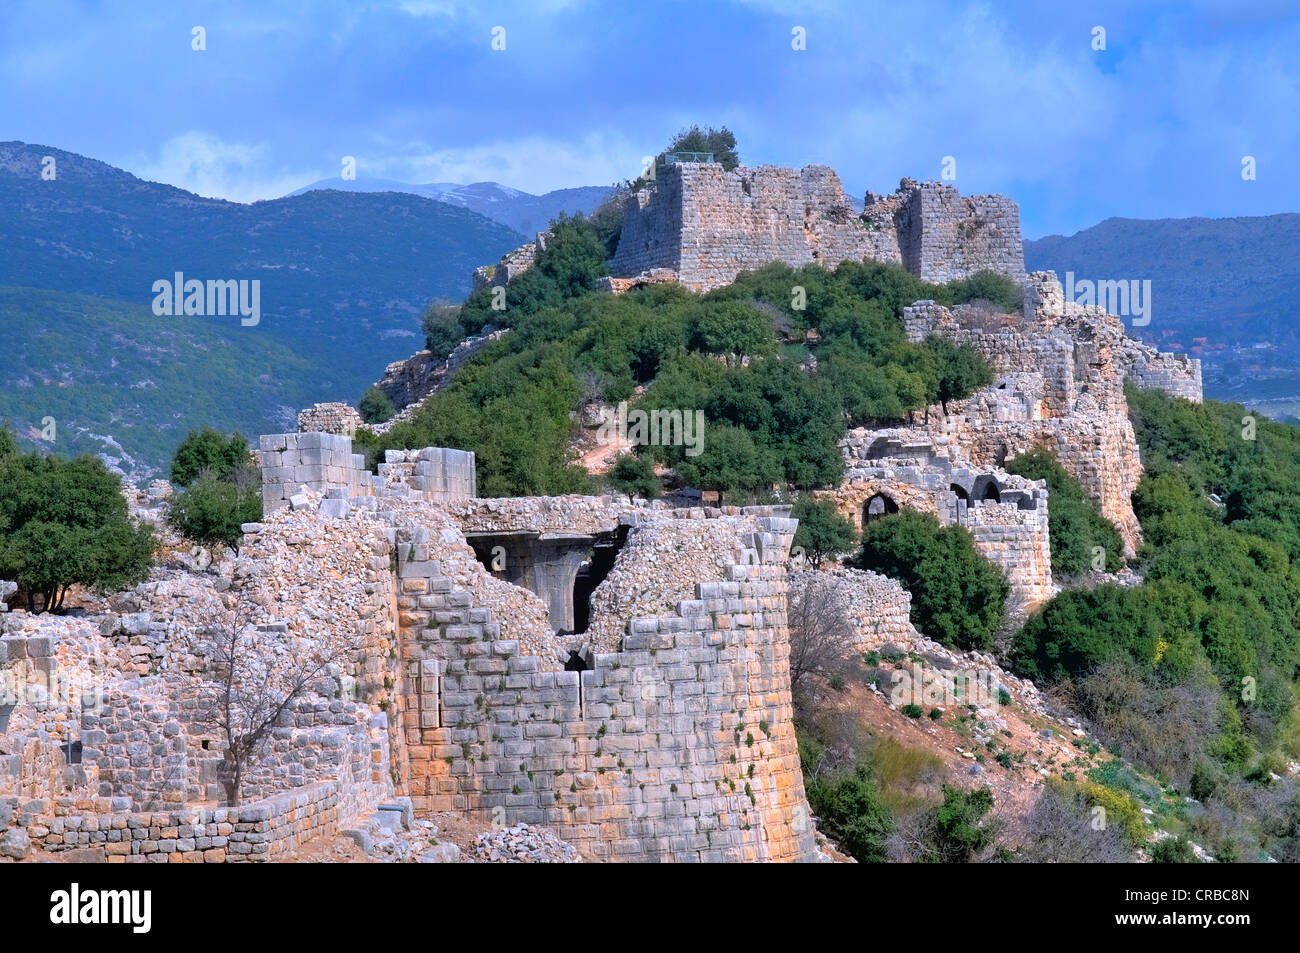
<point x="986" y="488"/>
<point x="882" y="504"/>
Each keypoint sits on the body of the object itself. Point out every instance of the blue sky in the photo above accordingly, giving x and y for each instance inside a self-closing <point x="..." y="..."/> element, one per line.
<point x="1155" y="125"/>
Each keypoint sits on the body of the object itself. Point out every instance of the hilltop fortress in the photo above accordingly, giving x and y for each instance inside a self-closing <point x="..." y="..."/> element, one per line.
<point x="707" y="225"/>
<point x="614" y="669"/>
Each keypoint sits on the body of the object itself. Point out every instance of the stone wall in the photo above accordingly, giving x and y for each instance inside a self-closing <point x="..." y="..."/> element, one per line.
<point x="410" y="382"/>
<point x="1006" y="515"/>
<point x="1060" y="388"/>
<point x="1176" y="374"/>
<point x="333" y="418"/>
<point x="878" y="608"/>
<point x="317" y="461"/>
<point x="708" y="225"/>
<point x="260" y="830"/>
<point x="324" y="464"/>
<point x="678" y="747"/>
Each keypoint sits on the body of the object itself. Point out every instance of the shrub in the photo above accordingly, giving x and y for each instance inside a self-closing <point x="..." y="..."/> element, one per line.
<point x="375" y="407"/>
<point x="208" y="449"/>
<point x="957" y="830"/>
<point x="823" y="533"/>
<point x="1122" y="811"/>
<point x="912" y="711"/>
<point x="1173" y="850"/>
<point x="212" y="510"/>
<point x="1059" y="829"/>
<point x="958" y="596"/>
<point x="851" y="812"/>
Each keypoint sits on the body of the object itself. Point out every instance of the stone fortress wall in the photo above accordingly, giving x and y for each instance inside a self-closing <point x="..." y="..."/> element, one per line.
<point x="677" y="747"/>
<point x="1007" y="515"/>
<point x="660" y="730"/>
<point x="1061" y="370"/>
<point x="325" y="464"/>
<point x="701" y="226"/>
<point x="708" y="225"/>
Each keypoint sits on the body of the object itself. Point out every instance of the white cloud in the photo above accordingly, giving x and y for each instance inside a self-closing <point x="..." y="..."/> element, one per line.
<point x="533" y="164"/>
<point x="209" y="166"/>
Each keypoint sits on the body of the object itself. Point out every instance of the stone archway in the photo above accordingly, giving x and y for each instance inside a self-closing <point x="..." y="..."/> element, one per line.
<point x="986" y="488"/>
<point x="876" y="507"/>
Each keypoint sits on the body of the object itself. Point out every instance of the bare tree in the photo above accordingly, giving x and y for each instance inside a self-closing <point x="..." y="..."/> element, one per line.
<point x="254" y="676"/>
<point x="1060" y="829"/>
<point x="1160" y="726"/>
<point x="821" y="635"/>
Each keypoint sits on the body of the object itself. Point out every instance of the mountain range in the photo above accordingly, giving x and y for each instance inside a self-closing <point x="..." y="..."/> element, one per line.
<point x="346" y="267"/>
<point x="521" y="211"/>
<point x="343" y="279"/>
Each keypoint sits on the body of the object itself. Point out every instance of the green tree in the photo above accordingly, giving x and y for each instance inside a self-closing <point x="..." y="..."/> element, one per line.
<point x="958" y="596"/>
<point x="998" y="290"/>
<point x="208" y="449"/>
<point x="66" y="523"/>
<point x="823" y="533"/>
<point x="1080" y="629"/>
<point x="375" y="407"/>
<point x="635" y="476"/>
<point x="962" y="370"/>
<point x="442" y="330"/>
<point x="731" y="462"/>
<point x="732" y="328"/>
<point x="212" y="510"/>
<point x="720" y="142"/>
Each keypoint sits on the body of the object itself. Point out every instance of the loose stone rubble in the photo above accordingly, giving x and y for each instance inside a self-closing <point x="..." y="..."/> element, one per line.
<point x="524" y="845"/>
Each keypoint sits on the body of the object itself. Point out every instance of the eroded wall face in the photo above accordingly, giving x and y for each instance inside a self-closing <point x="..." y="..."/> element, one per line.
<point x="680" y="747"/>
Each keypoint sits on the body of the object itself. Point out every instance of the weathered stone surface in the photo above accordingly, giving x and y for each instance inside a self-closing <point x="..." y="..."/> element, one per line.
<point x="707" y="225"/>
<point x="15" y="844"/>
<point x="332" y="418"/>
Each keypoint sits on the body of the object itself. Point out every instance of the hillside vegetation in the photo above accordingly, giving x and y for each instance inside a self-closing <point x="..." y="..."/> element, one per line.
<point x="1193" y="673"/>
<point x="102" y="367"/>
<point x="780" y="363"/>
<point x="343" y="277"/>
